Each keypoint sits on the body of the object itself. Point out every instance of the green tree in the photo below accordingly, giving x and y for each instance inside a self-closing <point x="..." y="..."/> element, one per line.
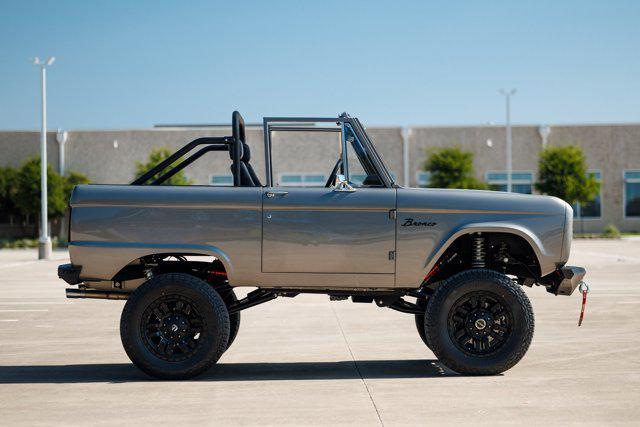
<point x="8" y="190"/>
<point x="71" y="180"/>
<point x="562" y="172"/>
<point x="27" y="197"/>
<point x="451" y="167"/>
<point x="156" y="156"/>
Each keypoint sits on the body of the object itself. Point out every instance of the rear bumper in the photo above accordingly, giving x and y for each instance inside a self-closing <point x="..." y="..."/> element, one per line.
<point x="70" y="273"/>
<point x="564" y="280"/>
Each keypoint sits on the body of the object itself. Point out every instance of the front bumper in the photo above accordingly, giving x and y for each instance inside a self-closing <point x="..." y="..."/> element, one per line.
<point x="564" y="280"/>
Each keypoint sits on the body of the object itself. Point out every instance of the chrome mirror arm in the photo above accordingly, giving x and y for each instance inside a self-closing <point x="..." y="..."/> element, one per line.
<point x="342" y="185"/>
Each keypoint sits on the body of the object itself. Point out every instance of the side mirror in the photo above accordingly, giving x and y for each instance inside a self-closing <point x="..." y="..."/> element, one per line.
<point x="342" y="185"/>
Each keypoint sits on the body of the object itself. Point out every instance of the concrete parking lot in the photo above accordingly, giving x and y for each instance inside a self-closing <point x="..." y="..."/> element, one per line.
<point x="311" y="361"/>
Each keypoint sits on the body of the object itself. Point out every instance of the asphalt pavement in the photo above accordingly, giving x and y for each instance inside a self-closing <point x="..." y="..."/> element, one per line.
<point x="309" y="361"/>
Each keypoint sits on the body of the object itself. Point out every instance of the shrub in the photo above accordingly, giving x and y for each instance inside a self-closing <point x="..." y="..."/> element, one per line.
<point x="563" y="173"/>
<point x="452" y="168"/>
<point x="20" y="193"/>
<point x="611" y="232"/>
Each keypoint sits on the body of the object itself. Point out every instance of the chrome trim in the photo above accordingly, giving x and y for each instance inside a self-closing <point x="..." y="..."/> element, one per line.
<point x="271" y="194"/>
<point x="342" y="185"/>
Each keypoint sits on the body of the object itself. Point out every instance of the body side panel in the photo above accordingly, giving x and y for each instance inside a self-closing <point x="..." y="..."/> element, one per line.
<point x="112" y="225"/>
<point x="319" y="230"/>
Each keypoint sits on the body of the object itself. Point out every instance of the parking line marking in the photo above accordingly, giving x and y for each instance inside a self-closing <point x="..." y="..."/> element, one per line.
<point x="17" y="264"/>
<point x="355" y="364"/>
<point x="23" y="310"/>
<point x="37" y="303"/>
<point x="8" y="320"/>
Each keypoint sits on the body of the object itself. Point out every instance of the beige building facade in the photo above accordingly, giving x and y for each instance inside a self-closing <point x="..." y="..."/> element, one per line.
<point x="612" y="151"/>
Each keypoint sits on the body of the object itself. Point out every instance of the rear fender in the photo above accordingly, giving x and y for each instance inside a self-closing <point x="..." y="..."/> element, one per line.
<point x="103" y="260"/>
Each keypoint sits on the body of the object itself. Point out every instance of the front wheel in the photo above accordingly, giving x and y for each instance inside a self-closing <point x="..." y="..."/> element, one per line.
<point x="479" y="322"/>
<point x="175" y="326"/>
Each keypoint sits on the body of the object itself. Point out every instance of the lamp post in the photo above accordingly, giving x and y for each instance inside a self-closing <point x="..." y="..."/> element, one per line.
<point x="44" y="243"/>
<point x="507" y="94"/>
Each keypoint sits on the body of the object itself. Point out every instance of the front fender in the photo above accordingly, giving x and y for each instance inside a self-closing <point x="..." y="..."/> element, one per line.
<point x="545" y="257"/>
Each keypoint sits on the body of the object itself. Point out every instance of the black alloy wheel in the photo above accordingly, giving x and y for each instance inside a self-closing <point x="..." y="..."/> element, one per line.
<point x="479" y="323"/>
<point x="171" y="327"/>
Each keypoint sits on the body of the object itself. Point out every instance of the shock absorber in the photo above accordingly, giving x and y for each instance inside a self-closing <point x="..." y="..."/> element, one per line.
<point x="478" y="252"/>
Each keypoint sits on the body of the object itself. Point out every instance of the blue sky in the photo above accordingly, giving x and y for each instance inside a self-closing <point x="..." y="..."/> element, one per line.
<point x="126" y="64"/>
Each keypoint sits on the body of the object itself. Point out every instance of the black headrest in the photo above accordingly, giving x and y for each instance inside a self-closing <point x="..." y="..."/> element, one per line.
<point x="246" y="153"/>
<point x="237" y="127"/>
<point x="237" y="124"/>
<point x="240" y="146"/>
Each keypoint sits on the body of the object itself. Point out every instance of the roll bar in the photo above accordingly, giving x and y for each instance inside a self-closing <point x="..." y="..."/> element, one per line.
<point x="233" y="144"/>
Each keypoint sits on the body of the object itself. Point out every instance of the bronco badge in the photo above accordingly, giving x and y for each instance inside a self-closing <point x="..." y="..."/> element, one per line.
<point x="409" y="222"/>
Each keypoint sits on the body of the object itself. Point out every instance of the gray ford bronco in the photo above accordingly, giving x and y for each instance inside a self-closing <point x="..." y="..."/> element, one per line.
<point x="457" y="260"/>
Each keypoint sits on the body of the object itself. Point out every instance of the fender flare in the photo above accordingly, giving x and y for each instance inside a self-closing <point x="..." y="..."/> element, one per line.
<point x="543" y="257"/>
<point x="121" y="254"/>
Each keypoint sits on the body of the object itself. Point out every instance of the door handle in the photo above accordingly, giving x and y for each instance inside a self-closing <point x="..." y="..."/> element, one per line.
<point x="272" y="194"/>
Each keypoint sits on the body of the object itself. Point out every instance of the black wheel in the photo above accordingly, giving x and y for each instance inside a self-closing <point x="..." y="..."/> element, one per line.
<point x="419" y="318"/>
<point x="479" y="322"/>
<point x="175" y="326"/>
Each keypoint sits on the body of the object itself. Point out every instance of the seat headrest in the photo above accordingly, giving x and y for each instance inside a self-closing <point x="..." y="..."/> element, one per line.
<point x="246" y="153"/>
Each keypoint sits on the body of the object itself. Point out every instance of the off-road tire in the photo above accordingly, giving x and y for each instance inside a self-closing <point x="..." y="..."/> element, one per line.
<point x="474" y="282"/>
<point x="213" y="338"/>
<point x="234" y="319"/>
<point x="419" y="318"/>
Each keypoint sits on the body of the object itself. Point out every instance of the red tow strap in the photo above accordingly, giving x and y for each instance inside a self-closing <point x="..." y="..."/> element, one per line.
<point x="585" y="290"/>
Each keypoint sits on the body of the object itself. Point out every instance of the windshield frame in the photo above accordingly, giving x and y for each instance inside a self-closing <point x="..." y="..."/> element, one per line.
<point x="307" y="124"/>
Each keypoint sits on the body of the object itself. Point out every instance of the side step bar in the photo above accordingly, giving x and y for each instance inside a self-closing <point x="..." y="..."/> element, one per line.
<point x="93" y="293"/>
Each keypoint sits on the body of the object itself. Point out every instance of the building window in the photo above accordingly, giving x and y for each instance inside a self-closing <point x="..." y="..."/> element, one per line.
<point x="632" y="194"/>
<point x="226" y="179"/>
<point x="302" y="180"/>
<point x="592" y="209"/>
<point x="521" y="182"/>
<point x="357" y="178"/>
<point x="423" y="178"/>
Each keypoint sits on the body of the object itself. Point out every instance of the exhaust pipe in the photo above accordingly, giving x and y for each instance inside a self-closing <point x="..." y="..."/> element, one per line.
<point x="96" y="294"/>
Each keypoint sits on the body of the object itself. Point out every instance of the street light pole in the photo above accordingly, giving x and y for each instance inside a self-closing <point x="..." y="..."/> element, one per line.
<point x="507" y="95"/>
<point x="44" y="243"/>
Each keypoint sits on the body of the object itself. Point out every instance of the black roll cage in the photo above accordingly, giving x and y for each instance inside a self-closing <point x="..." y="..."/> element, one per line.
<point x="235" y="144"/>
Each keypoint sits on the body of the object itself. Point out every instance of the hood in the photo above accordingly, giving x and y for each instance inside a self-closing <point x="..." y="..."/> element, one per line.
<point x="483" y="200"/>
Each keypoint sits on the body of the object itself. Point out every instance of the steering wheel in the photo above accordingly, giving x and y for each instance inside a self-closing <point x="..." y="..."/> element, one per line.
<point x="334" y="172"/>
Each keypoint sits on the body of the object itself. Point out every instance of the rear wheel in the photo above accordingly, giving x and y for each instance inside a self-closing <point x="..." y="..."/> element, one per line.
<point x="479" y="322"/>
<point x="234" y="319"/>
<point x="175" y="326"/>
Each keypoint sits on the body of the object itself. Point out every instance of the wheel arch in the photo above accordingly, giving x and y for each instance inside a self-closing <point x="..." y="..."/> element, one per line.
<point x="104" y="260"/>
<point x="531" y="239"/>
